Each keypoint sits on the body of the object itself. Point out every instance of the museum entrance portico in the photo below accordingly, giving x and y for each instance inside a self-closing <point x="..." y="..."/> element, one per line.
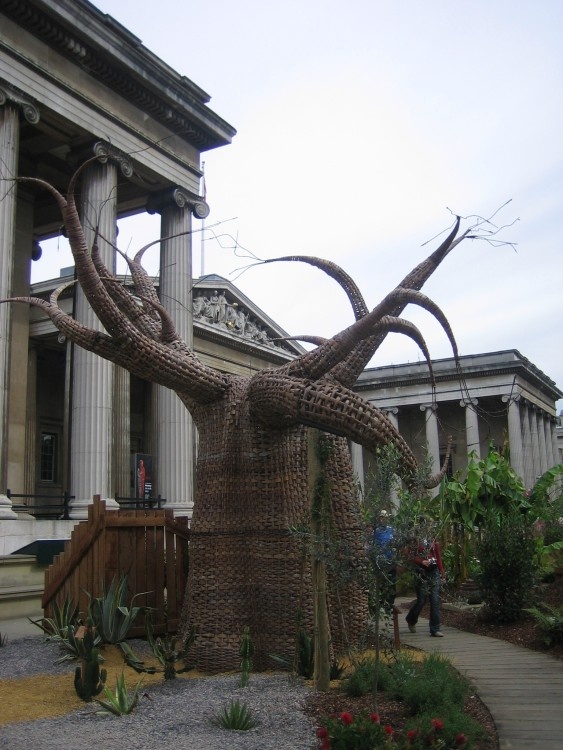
<point x="76" y="86"/>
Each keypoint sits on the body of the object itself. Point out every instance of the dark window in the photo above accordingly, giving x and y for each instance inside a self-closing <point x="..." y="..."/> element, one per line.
<point x="48" y="458"/>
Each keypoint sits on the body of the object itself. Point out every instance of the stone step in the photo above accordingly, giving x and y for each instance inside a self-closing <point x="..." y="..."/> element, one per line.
<point x="22" y="583"/>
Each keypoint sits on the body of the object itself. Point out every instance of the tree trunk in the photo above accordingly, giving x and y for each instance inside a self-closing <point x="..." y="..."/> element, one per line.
<point x="245" y="564"/>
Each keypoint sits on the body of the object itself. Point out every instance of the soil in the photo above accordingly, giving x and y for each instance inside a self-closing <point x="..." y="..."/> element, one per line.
<point x="523" y="633"/>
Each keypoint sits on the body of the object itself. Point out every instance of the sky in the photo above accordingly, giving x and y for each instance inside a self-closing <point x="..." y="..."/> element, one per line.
<point x="362" y="128"/>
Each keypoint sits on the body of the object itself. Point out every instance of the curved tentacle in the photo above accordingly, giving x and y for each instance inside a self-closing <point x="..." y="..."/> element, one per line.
<point x="61" y="201"/>
<point x="329" y="407"/>
<point x="350" y="369"/>
<point x="143" y="317"/>
<point x="322" y="360"/>
<point x="173" y="366"/>
<point x="335" y="272"/>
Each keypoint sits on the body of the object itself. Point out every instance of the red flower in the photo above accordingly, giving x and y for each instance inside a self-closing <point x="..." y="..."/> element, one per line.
<point x="437" y="724"/>
<point x="411" y="735"/>
<point x="460" y="739"/>
<point x="346" y="718"/>
<point x="322" y="732"/>
<point x="388" y="729"/>
<point x="374" y="718"/>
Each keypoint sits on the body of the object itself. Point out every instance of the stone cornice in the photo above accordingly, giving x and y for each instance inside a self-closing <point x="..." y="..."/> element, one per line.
<point x="445" y="371"/>
<point x="99" y="45"/>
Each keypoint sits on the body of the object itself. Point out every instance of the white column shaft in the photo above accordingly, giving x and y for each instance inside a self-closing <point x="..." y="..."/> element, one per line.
<point x="357" y="456"/>
<point x="92" y="404"/>
<point x="432" y="438"/>
<point x="9" y="145"/>
<point x="528" y="460"/>
<point x="174" y="428"/>
<point x="515" y="436"/>
<point x="473" y="441"/>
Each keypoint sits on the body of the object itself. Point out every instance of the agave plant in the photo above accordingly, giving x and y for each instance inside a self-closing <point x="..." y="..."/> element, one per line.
<point x="165" y="651"/>
<point x="119" y="703"/>
<point x="111" y="616"/>
<point x="236" y="715"/>
<point x="56" y="627"/>
<point x="73" y="642"/>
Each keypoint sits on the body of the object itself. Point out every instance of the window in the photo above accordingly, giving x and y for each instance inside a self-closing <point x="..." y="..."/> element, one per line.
<point x="48" y="457"/>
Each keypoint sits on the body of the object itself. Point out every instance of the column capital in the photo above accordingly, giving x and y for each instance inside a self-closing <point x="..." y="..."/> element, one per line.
<point x="469" y="402"/>
<point x="104" y="152"/>
<point x="509" y="398"/>
<point x="390" y="410"/>
<point x="10" y="95"/>
<point x="430" y="406"/>
<point x="180" y="197"/>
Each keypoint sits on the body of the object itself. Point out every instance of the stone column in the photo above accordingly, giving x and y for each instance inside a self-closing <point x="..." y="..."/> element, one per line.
<point x="392" y="415"/>
<point x="432" y="437"/>
<point x="11" y="104"/>
<point x="554" y="446"/>
<point x="544" y="463"/>
<point x="357" y="455"/>
<point x="121" y="431"/>
<point x="535" y="445"/>
<point x="31" y="423"/>
<point x="527" y="447"/>
<point x="551" y="457"/>
<point x="515" y="433"/>
<point x="93" y="381"/>
<point x="175" y="443"/>
<point x="471" y="426"/>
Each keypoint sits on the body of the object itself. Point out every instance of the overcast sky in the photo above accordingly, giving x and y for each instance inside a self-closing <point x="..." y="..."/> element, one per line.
<point x="361" y="126"/>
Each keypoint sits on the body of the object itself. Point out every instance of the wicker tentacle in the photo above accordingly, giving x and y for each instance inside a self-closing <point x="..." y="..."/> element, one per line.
<point x="328" y="407"/>
<point x="349" y="370"/>
<point x="61" y="201"/>
<point x="175" y="366"/>
<point x="335" y="272"/>
<point x="322" y="360"/>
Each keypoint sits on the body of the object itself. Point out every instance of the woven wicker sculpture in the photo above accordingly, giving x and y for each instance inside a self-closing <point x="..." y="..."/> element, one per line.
<point x="253" y="483"/>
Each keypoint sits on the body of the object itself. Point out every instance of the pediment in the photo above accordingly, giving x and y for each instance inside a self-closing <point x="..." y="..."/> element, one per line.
<point x="220" y="308"/>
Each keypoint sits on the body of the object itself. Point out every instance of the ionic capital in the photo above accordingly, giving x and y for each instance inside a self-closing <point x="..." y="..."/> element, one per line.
<point x="511" y="398"/>
<point x="431" y="406"/>
<point x="181" y="198"/>
<point x="468" y="402"/>
<point x="11" y="95"/>
<point x="106" y="152"/>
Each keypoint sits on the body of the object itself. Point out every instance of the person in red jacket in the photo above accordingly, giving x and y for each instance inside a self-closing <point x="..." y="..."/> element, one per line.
<point x="425" y="558"/>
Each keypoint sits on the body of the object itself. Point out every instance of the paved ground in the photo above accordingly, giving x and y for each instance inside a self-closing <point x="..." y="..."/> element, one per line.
<point x="522" y="689"/>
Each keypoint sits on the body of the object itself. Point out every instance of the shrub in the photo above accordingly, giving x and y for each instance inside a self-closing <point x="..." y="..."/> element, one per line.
<point x="435" y="686"/>
<point x="507" y="555"/>
<point x="550" y="621"/>
<point x="362" y="680"/>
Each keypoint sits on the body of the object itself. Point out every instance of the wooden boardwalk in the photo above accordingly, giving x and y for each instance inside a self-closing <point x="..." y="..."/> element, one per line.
<point x="523" y="689"/>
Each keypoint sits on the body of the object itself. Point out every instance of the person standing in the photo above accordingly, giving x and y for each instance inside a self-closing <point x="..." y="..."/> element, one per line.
<point x="383" y="538"/>
<point x="424" y="556"/>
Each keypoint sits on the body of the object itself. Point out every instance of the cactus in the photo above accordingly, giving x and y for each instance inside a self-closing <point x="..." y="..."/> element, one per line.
<point x="89" y="679"/>
<point x="246" y="651"/>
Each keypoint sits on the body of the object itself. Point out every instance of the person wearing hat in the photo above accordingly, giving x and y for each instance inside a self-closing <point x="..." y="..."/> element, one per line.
<point x="383" y="537"/>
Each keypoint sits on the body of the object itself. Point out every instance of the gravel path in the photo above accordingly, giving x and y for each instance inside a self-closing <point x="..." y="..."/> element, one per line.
<point x="175" y="715"/>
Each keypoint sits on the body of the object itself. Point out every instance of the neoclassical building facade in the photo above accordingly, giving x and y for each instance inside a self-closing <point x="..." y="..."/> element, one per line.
<point x="75" y="84"/>
<point x="497" y="396"/>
